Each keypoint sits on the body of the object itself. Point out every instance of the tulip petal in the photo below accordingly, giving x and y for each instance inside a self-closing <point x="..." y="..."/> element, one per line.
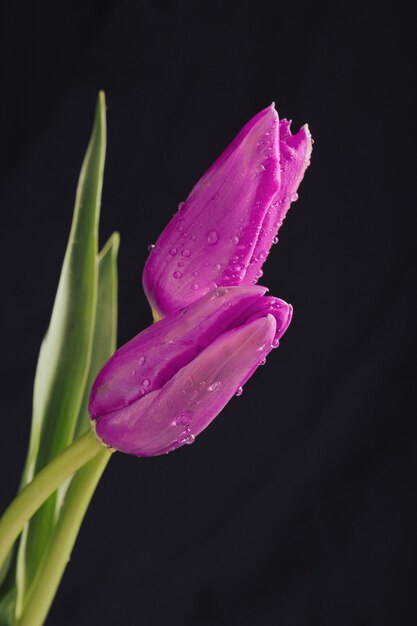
<point x="152" y="358"/>
<point x="210" y="241"/>
<point x="294" y="156"/>
<point x="186" y="404"/>
<point x="274" y="306"/>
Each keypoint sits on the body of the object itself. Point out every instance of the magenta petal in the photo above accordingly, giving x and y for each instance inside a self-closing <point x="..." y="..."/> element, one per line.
<point x="186" y="404"/>
<point x="222" y="234"/>
<point x="294" y="156"/>
<point x="151" y="358"/>
<point x="210" y="241"/>
<point x="281" y="311"/>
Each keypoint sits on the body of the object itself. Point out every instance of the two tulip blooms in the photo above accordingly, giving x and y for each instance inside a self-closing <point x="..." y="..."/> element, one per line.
<point x="216" y="326"/>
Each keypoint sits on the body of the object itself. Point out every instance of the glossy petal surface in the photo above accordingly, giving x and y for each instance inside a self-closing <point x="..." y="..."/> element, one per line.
<point x="174" y="366"/>
<point x="223" y="232"/>
<point x="187" y="404"/>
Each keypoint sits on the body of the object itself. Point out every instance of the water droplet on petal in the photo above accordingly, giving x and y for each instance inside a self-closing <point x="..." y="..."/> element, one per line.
<point x="275" y="343"/>
<point x="180" y="229"/>
<point x="142" y="392"/>
<point x="215" y="385"/>
<point x="180" y="205"/>
<point x="294" y="197"/>
<point x="151" y="246"/>
<point x="173" y="251"/>
<point x="141" y="360"/>
<point x="186" y="437"/>
<point x="177" y="274"/>
<point x="217" y="267"/>
<point x="183" y="419"/>
<point x="146" y="382"/>
<point x="275" y="240"/>
<point x="186" y="252"/>
<point x="212" y="237"/>
<point x="180" y="263"/>
<point x="132" y="373"/>
<point x="235" y="240"/>
<point x="195" y="286"/>
<point x="239" y="391"/>
<point x="263" y="361"/>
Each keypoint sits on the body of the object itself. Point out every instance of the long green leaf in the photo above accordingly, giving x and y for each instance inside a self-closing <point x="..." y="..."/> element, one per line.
<point x="105" y="332"/>
<point x="7" y="604"/>
<point x="83" y="484"/>
<point x="66" y="350"/>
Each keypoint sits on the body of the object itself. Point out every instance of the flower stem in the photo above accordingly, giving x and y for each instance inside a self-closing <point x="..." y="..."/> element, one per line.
<point x="40" y="488"/>
<point x="51" y="569"/>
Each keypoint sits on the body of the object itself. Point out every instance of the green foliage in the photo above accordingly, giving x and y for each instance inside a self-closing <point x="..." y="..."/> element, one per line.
<point x="80" y="338"/>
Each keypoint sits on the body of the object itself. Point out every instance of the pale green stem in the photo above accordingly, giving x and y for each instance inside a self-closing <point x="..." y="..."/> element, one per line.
<point x="40" y="488"/>
<point x="62" y="541"/>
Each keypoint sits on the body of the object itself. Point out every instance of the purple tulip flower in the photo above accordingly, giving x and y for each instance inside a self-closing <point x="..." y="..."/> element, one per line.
<point x="223" y="232"/>
<point x="169" y="382"/>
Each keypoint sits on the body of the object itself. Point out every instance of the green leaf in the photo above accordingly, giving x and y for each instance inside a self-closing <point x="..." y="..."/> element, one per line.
<point x="105" y="333"/>
<point x="65" y="354"/>
<point x="79" y="492"/>
<point x="7" y="604"/>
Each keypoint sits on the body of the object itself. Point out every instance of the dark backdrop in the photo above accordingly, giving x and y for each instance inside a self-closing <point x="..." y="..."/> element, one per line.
<point x="295" y="507"/>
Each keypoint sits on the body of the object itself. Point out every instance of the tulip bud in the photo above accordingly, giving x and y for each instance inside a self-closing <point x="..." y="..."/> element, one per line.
<point x="223" y="232"/>
<point x="167" y="384"/>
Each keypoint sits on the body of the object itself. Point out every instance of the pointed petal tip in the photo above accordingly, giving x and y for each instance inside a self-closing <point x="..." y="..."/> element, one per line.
<point x="270" y="324"/>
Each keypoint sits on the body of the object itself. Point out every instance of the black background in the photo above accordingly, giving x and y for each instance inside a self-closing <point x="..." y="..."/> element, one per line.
<point x="295" y="508"/>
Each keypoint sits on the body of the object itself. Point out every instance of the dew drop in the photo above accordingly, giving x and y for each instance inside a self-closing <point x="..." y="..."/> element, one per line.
<point x="132" y="373"/>
<point x="215" y="385"/>
<point x="183" y="419"/>
<point x="263" y="361"/>
<point x="275" y="343"/>
<point x="217" y="267"/>
<point x="141" y="360"/>
<point x="195" y="274"/>
<point x="195" y="286"/>
<point x="235" y="240"/>
<point x="151" y="246"/>
<point x="146" y="382"/>
<point x="177" y="274"/>
<point x="180" y="263"/>
<point x="142" y="392"/>
<point x="186" y="252"/>
<point x="212" y="237"/>
<point x="294" y="197"/>
<point x="180" y="205"/>
<point x="180" y="229"/>
<point x="186" y="438"/>
<point x="239" y="391"/>
<point x="173" y="251"/>
<point x="275" y="240"/>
